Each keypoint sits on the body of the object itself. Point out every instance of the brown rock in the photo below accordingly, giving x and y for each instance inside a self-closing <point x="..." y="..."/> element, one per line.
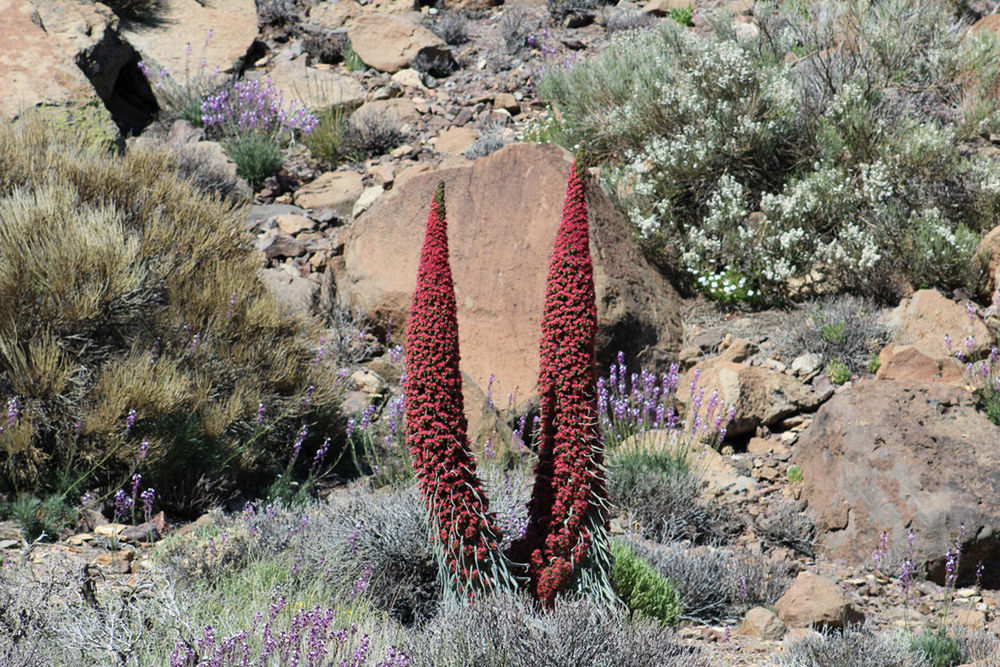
<point x="144" y="532"/>
<point x="281" y="245"/>
<point x="333" y="14"/>
<point x="762" y="623"/>
<point x="989" y="246"/>
<point x="399" y="110"/>
<point x="761" y="396"/>
<point x="970" y="618"/>
<point x="383" y="174"/>
<point x="336" y="190"/>
<point x="34" y="68"/>
<point x="119" y="562"/>
<point x="290" y="289"/>
<point x="87" y="33"/>
<point x="928" y="316"/>
<point x="388" y="43"/>
<point x="815" y="601"/>
<point x="663" y="7"/>
<point x="990" y="23"/>
<point x="456" y="140"/>
<point x="503" y="212"/>
<point x="289" y="223"/>
<point x="883" y="455"/>
<point x="233" y="25"/>
<point x="906" y="362"/>
<point x="507" y="102"/>
<point x="407" y="173"/>
<point x="316" y="88"/>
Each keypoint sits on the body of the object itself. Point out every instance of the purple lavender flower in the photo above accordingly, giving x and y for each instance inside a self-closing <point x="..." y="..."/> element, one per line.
<point x="260" y="413"/>
<point x="129" y="421"/>
<point x="321" y="454"/>
<point x="351" y="425"/>
<point x="299" y="439"/>
<point x="123" y="506"/>
<point x="148" y="498"/>
<point x="143" y="451"/>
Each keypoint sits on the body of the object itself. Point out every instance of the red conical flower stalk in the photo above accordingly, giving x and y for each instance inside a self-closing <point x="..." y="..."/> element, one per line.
<point x="437" y="426"/>
<point x="566" y="540"/>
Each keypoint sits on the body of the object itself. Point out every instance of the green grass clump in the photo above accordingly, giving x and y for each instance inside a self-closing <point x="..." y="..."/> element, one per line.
<point x="643" y="589"/>
<point x="330" y="141"/>
<point x="257" y="157"/>
<point x="122" y="288"/>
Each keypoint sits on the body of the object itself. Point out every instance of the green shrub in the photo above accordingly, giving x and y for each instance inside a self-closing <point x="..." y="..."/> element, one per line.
<point x="257" y="158"/>
<point x="837" y="371"/>
<point x="847" y="167"/>
<point x="937" y="648"/>
<point x="683" y="16"/>
<point x="122" y="288"/>
<point x="37" y="517"/>
<point x="794" y="473"/>
<point x="643" y="589"/>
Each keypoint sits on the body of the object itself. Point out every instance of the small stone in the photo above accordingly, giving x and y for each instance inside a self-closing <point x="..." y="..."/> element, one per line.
<point x="807" y="364"/>
<point x="762" y="623"/>
<point x="409" y="78"/>
<point x="367" y="198"/>
<point x="367" y="381"/>
<point x="293" y="224"/>
<point x="109" y="529"/>
<point x="507" y="102"/>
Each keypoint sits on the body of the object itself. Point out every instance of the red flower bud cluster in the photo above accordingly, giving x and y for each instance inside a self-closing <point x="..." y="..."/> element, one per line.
<point x="566" y="503"/>
<point x="435" y="418"/>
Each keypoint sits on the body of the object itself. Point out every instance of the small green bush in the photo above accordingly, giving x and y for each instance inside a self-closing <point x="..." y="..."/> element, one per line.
<point x="849" y="166"/>
<point x="937" y="648"/>
<point x="257" y="158"/>
<point x="837" y="371"/>
<point x="39" y="517"/>
<point x="122" y="288"/>
<point x="683" y="16"/>
<point x="794" y="473"/>
<point x="643" y="589"/>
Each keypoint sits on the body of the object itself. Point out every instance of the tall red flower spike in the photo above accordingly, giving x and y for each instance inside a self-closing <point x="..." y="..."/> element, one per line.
<point x="566" y="542"/>
<point x="437" y="426"/>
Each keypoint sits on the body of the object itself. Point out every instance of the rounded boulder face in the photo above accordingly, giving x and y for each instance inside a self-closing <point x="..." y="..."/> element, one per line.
<point x="503" y="213"/>
<point x="896" y="456"/>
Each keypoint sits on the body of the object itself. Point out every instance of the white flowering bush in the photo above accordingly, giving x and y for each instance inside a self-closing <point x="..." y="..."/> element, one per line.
<point x="767" y="166"/>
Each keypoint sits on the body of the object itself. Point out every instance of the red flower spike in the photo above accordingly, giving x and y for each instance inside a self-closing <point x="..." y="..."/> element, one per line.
<point x="435" y="418"/>
<point x="567" y="513"/>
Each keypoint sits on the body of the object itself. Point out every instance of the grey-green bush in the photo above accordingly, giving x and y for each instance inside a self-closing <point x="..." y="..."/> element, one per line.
<point x="501" y="630"/>
<point x="798" y="158"/>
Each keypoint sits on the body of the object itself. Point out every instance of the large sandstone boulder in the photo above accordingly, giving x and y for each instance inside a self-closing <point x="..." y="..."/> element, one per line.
<point x="815" y="601"/>
<point x="35" y="69"/>
<point x="928" y="316"/>
<point x="503" y="212"/>
<point x="890" y="456"/>
<point x="233" y="26"/>
<point x="762" y="396"/>
<point x="315" y="88"/>
<point x="388" y="43"/>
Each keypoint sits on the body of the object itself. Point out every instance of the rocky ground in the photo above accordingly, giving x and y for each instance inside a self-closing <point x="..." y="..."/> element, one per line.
<point x="901" y="449"/>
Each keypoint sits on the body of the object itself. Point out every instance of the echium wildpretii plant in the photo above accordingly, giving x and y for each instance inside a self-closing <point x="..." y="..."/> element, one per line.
<point x="566" y="542"/>
<point x="437" y="427"/>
